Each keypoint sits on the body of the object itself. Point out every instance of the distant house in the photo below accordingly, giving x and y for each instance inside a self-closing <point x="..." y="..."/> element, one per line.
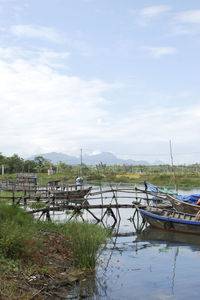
<point x="27" y="179"/>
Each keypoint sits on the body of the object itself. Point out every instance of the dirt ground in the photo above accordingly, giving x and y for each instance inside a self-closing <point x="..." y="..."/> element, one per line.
<point x="51" y="276"/>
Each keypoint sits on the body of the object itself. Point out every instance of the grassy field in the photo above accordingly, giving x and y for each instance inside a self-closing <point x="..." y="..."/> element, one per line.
<point x="187" y="180"/>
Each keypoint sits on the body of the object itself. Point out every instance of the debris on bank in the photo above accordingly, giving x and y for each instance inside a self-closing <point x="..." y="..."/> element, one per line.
<point x="50" y="275"/>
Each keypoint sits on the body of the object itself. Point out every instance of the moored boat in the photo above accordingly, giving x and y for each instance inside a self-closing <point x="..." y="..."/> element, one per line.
<point x="183" y="206"/>
<point x="171" y="220"/>
<point x="72" y="194"/>
<point x="182" y="203"/>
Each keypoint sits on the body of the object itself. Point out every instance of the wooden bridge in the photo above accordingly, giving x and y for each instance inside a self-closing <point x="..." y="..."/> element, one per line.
<point x="43" y="200"/>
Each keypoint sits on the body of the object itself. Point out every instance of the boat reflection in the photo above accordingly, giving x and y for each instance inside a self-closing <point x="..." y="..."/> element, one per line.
<point x="153" y="235"/>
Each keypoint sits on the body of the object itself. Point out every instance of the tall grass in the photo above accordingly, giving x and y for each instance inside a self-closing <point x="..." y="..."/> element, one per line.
<point x="86" y="240"/>
<point x="20" y="236"/>
<point x="86" y="243"/>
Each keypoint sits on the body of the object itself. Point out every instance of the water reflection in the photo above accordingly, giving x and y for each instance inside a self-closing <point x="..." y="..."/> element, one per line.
<point x="168" y="238"/>
<point x="154" y="263"/>
<point x="93" y="288"/>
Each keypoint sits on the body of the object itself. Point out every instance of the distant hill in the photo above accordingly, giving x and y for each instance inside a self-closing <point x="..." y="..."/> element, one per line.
<point x="56" y="157"/>
<point x="104" y="157"/>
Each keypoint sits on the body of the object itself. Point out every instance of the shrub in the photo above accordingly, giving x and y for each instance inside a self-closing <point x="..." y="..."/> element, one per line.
<point x="16" y="230"/>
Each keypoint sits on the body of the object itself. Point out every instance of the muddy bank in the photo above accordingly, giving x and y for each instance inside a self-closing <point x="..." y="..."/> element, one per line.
<point x="48" y="274"/>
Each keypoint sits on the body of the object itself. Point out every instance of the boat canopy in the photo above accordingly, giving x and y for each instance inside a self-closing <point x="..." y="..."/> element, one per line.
<point x="191" y="198"/>
<point x="155" y="189"/>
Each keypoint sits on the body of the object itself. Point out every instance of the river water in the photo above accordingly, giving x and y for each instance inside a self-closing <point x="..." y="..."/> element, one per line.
<point x="152" y="264"/>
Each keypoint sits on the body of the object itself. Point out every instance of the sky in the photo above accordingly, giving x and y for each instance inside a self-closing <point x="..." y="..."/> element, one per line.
<point x="119" y="76"/>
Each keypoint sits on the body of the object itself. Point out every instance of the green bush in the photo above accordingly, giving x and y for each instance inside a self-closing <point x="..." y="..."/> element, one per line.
<point x="14" y="214"/>
<point x="16" y="230"/>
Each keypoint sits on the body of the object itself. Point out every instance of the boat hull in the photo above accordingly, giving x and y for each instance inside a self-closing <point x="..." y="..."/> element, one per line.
<point x="72" y="194"/>
<point x="170" y="223"/>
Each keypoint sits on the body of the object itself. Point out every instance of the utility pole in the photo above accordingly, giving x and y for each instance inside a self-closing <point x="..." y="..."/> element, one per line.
<point x="81" y="157"/>
<point x="170" y="145"/>
<point x="2" y="170"/>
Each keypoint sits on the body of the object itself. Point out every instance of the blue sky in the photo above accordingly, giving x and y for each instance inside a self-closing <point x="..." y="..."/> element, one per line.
<point x="103" y="75"/>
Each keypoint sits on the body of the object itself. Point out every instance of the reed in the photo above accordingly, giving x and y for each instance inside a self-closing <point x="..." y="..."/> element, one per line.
<point x="87" y="240"/>
<point x="20" y="234"/>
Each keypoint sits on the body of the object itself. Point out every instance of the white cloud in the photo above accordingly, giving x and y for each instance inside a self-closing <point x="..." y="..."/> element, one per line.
<point x="153" y="11"/>
<point x="186" y="23"/>
<point x="149" y="126"/>
<point x="44" y="109"/>
<point x="36" y="56"/>
<point x="33" y="31"/>
<point x="158" y="52"/>
<point x="75" y="40"/>
<point x="190" y="16"/>
<point x="147" y="14"/>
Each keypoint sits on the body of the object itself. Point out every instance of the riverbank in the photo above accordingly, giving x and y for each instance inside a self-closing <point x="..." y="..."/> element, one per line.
<point x="186" y="180"/>
<point x="183" y="180"/>
<point x="43" y="260"/>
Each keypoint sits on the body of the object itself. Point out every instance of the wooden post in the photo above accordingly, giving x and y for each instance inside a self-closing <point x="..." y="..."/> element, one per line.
<point x="13" y="196"/>
<point x="25" y="201"/>
<point x="147" y="196"/>
<point x="116" y="201"/>
<point x="101" y="199"/>
<point x="48" y="215"/>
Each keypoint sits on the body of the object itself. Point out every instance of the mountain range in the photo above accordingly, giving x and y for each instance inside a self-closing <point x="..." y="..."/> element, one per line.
<point x="94" y="159"/>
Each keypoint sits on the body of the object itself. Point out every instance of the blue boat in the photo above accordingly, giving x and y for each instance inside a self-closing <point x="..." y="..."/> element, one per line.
<point x="171" y="220"/>
<point x="186" y="204"/>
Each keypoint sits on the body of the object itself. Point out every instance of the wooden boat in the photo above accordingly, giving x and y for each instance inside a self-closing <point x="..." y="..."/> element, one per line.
<point x="158" y="195"/>
<point x="183" y="206"/>
<point x="171" y="220"/>
<point x="71" y="194"/>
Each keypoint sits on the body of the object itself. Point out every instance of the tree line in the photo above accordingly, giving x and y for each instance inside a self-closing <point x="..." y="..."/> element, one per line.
<point x="16" y="164"/>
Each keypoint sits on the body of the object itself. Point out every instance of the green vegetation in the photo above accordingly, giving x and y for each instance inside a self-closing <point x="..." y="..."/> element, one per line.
<point x="14" y="239"/>
<point x="188" y="179"/>
<point x="184" y="180"/>
<point x="19" y="231"/>
<point x="30" y="247"/>
<point x="186" y="175"/>
<point x="86" y="242"/>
